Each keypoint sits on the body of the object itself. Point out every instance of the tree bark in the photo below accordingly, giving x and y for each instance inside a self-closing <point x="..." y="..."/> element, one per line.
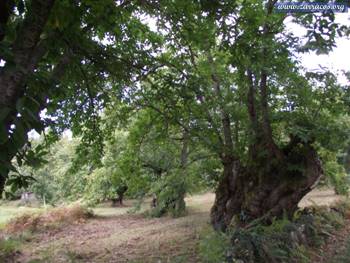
<point x="228" y="196"/>
<point x="268" y="185"/>
<point x="180" y="204"/>
<point x="274" y="151"/>
<point x="120" y="195"/>
<point x="267" y="190"/>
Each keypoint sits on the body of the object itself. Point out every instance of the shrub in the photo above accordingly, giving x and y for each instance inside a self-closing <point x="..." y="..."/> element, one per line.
<point x="283" y="240"/>
<point x="213" y="246"/>
<point x="170" y="192"/>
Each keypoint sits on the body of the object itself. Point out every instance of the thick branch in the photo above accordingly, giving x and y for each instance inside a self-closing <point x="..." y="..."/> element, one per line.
<point x="225" y="117"/>
<point x="266" y="124"/>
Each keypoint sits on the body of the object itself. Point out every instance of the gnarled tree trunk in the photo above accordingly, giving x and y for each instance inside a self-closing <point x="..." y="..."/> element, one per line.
<point x="274" y="179"/>
<point x="267" y="188"/>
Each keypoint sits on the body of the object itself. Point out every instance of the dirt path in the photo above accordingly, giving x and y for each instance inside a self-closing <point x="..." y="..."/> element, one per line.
<point x="116" y="236"/>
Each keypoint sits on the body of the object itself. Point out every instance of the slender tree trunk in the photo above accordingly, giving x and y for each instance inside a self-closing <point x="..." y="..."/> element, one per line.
<point x="2" y="184"/>
<point x="346" y="160"/>
<point x="121" y="190"/>
<point x="180" y="204"/>
<point x="175" y="203"/>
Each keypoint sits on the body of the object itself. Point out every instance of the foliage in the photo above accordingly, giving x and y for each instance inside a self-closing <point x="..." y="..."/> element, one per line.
<point x="140" y="159"/>
<point x="335" y="172"/>
<point x="213" y="246"/>
<point x="62" y="61"/>
<point x="170" y="191"/>
<point x="54" y="180"/>
<point x="283" y="240"/>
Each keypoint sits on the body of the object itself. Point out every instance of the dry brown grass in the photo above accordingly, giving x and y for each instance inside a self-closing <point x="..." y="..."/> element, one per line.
<point x="53" y="218"/>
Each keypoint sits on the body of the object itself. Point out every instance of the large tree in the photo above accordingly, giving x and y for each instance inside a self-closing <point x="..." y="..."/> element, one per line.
<point x="231" y="72"/>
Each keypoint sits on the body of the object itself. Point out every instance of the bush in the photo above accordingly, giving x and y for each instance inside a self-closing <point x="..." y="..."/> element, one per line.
<point x="283" y="240"/>
<point x="335" y="173"/>
<point x="213" y="246"/>
<point x="170" y="192"/>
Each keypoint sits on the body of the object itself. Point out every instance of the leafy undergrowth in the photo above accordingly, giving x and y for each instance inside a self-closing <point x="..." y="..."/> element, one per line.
<point x="54" y="218"/>
<point x="284" y="240"/>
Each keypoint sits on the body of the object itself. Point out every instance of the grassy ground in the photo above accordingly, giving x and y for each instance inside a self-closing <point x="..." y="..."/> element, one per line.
<point x="118" y="236"/>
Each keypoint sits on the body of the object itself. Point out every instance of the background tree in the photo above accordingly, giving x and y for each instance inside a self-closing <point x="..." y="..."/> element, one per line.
<point x="57" y="56"/>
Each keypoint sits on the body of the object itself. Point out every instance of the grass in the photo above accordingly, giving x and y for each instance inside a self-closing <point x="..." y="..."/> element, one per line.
<point x="8" y="248"/>
<point x="11" y="246"/>
<point x="110" y="211"/>
<point x="115" y="235"/>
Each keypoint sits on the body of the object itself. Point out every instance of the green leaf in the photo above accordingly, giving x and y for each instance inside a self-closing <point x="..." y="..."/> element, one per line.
<point x="20" y="134"/>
